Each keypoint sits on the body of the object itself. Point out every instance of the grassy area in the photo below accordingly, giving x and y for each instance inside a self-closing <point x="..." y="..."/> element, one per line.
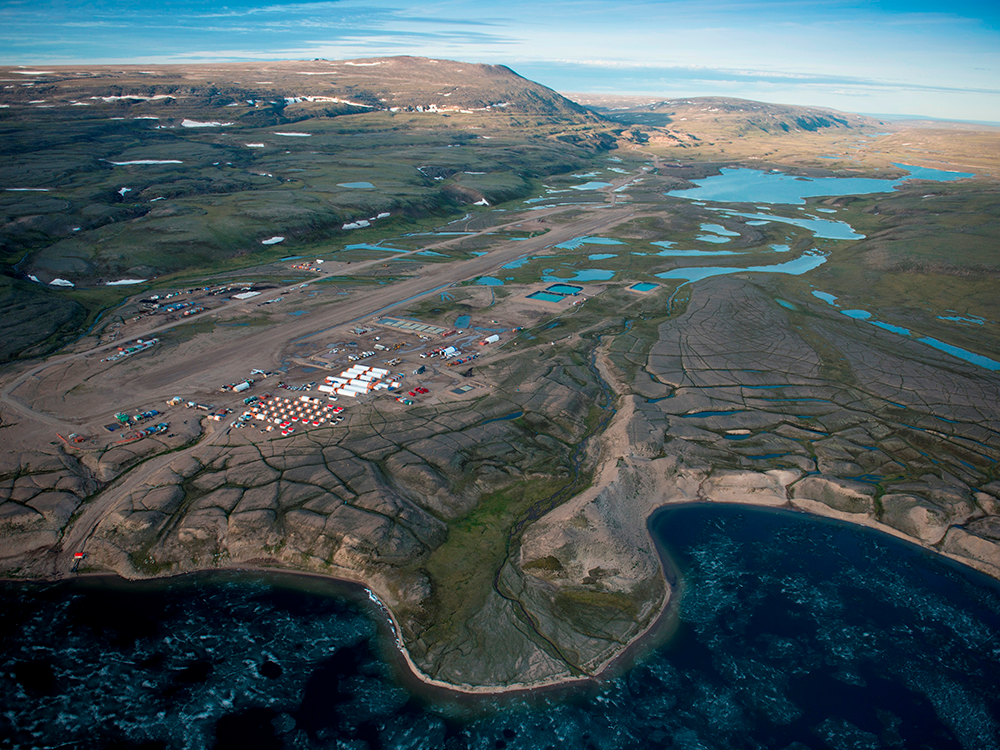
<point x="462" y="568"/>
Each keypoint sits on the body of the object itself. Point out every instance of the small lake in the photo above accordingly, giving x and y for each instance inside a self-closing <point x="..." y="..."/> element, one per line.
<point x="745" y="185"/>
<point x="489" y="281"/>
<point x="355" y="185"/>
<point x="793" y="632"/>
<point x="591" y="186"/>
<point x="805" y="262"/>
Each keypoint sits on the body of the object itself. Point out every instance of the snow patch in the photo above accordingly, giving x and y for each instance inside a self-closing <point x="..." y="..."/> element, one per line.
<point x="125" y="282"/>
<point x="196" y="124"/>
<point x="272" y="241"/>
<point x="132" y="97"/>
<point x="254" y="145"/>
<point x="146" y="161"/>
<point x="61" y="282"/>
<point x="295" y="135"/>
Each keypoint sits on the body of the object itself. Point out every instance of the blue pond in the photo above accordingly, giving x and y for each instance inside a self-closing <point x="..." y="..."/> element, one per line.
<point x="506" y="418"/>
<point x="591" y="186"/>
<point x="644" y="286"/>
<point x="823" y="228"/>
<point x="587" y="274"/>
<point x="601" y="256"/>
<point x="356" y="185"/>
<point x="462" y="321"/>
<point x="678" y="253"/>
<point x="719" y="229"/>
<point x="564" y="289"/>
<point x="828" y="298"/>
<point x="792" y="632"/>
<point x="516" y="263"/>
<point x="366" y="246"/>
<point x="489" y="281"/>
<point x="547" y="297"/>
<point x="800" y="265"/>
<point x="960" y="319"/>
<point x="574" y="243"/>
<point x="754" y="186"/>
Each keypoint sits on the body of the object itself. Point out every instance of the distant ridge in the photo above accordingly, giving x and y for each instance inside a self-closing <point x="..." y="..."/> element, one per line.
<point x="740" y="116"/>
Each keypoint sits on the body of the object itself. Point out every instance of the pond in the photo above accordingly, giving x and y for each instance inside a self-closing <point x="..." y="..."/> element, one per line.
<point x="547" y="297"/>
<point x="805" y="262"/>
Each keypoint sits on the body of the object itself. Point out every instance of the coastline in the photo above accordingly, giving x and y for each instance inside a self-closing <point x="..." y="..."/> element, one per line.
<point x="661" y="628"/>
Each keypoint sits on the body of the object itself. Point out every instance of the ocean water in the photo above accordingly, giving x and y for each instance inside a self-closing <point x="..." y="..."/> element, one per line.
<point x="793" y="632"/>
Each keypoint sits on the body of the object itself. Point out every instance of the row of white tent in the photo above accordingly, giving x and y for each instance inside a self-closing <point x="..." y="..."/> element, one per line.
<point x="357" y="381"/>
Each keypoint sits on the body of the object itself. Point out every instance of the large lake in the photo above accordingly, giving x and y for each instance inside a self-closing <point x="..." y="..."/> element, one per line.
<point x="794" y="633"/>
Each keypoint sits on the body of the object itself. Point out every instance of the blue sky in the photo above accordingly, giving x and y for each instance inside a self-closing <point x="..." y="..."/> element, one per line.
<point x="920" y="58"/>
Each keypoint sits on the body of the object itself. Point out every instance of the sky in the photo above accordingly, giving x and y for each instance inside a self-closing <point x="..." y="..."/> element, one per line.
<point x="921" y="58"/>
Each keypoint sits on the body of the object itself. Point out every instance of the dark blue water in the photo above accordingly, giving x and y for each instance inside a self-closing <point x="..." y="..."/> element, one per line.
<point x="794" y="633"/>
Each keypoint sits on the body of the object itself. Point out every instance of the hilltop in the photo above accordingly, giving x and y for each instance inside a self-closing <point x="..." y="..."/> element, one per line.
<point x="287" y="90"/>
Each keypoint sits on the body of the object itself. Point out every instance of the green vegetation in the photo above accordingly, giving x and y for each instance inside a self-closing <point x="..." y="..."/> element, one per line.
<point x="90" y="221"/>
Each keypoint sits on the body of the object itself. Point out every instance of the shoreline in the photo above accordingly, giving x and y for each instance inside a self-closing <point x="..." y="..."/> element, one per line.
<point x="408" y="673"/>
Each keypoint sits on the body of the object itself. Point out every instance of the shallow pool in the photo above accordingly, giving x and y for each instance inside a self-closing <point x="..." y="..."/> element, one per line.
<point x="644" y="286"/>
<point x="546" y="297"/>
